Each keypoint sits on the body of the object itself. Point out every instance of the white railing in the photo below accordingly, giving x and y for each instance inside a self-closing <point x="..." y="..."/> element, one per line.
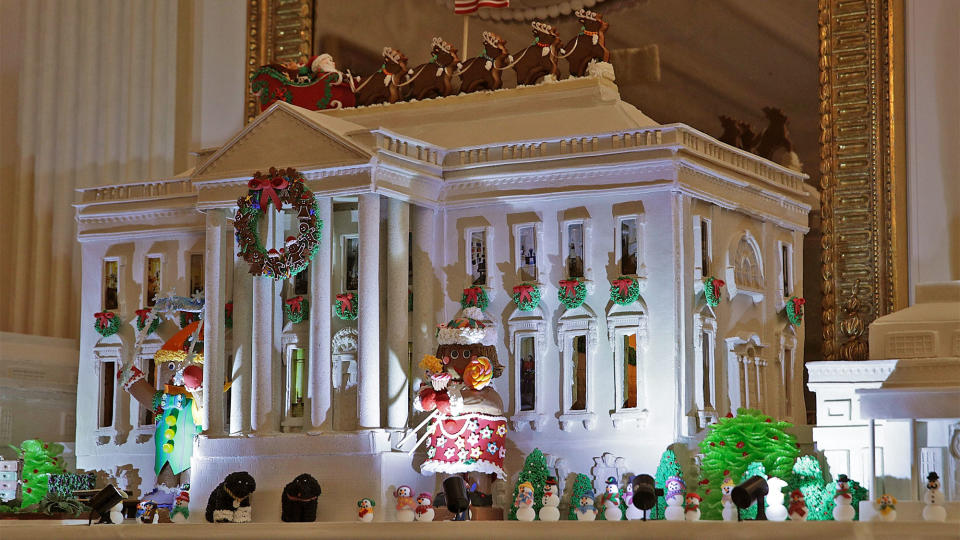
<point x="136" y="190"/>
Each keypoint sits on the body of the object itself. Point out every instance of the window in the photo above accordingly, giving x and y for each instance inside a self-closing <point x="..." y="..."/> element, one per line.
<point x="747" y="272"/>
<point x="786" y="374"/>
<point x="526" y="356"/>
<point x="196" y="273"/>
<point x="705" y="393"/>
<point x="629" y="246"/>
<point x="706" y="359"/>
<point x="477" y="256"/>
<point x="526" y="242"/>
<point x="701" y="246"/>
<point x="296" y="371"/>
<point x="579" y="381"/>
<point x="153" y="266"/>
<point x="108" y="377"/>
<point x="574" y="237"/>
<point x="786" y="268"/>
<point x="351" y="260"/>
<point x="301" y="282"/>
<point x="111" y="280"/>
<point x="149" y="368"/>
<point x="628" y="363"/>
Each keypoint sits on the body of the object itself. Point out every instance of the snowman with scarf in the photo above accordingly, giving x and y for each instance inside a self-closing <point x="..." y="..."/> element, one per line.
<point x="674" y="497"/>
<point x="843" y="501"/>
<point x="551" y="501"/>
<point x="933" y="509"/>
<point x="729" y="509"/>
<point x="611" y="501"/>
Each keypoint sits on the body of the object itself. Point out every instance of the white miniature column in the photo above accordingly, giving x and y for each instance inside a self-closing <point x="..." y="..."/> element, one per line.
<point x="213" y="330"/>
<point x="398" y="325"/>
<point x="424" y="286"/>
<point x="368" y="323"/>
<point x="319" y="383"/>
<point x="242" y="311"/>
<point x="261" y="356"/>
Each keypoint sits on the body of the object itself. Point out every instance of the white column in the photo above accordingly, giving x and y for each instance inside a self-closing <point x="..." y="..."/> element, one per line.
<point x="242" y="311"/>
<point x="424" y="282"/>
<point x="398" y="325"/>
<point x="368" y="323"/>
<point x="319" y="383"/>
<point x="261" y="356"/>
<point x="213" y="331"/>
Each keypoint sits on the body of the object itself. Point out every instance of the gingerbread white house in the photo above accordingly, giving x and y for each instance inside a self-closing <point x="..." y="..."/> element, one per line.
<point x="542" y="184"/>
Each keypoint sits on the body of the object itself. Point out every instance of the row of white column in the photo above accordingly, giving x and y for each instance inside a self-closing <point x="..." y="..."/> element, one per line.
<point x="254" y="405"/>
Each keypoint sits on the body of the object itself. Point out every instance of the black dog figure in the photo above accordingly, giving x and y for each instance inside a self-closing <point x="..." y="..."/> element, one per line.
<point x="230" y="501"/>
<point x="299" y="500"/>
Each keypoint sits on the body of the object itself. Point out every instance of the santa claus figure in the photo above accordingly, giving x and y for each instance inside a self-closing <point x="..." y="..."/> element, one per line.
<point x="315" y="68"/>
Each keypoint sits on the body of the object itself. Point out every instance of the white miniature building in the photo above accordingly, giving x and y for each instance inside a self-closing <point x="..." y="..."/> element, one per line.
<point x="420" y="200"/>
<point x="904" y="402"/>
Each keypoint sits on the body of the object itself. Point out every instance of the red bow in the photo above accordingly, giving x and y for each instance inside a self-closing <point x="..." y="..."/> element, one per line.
<point x="228" y="308"/>
<point x="570" y="287"/>
<point x="142" y="313"/>
<point x="799" y="301"/>
<point x="295" y="303"/>
<point x="624" y="285"/>
<point x="346" y="301"/>
<point x="524" y="292"/>
<point x="268" y="187"/>
<point x="717" y="283"/>
<point x="472" y="294"/>
<point x="103" y="318"/>
<point x="188" y="316"/>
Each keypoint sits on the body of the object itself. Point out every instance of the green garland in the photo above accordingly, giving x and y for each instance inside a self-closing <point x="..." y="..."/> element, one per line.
<point x="112" y="325"/>
<point x="474" y="297"/>
<point x="632" y="291"/>
<point x="297" y="316"/>
<point x="142" y="321"/>
<point x="794" y="310"/>
<point x="533" y="292"/>
<point x="575" y="301"/>
<point x="711" y="290"/>
<point x="343" y="313"/>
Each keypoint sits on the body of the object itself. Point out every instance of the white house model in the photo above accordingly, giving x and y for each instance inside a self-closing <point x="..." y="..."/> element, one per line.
<point x="420" y="200"/>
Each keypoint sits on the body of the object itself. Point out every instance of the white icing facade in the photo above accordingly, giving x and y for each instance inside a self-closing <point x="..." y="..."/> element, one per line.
<point x="408" y="191"/>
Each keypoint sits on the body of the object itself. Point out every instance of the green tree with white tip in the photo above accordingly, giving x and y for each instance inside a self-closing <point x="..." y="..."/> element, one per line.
<point x="536" y="472"/>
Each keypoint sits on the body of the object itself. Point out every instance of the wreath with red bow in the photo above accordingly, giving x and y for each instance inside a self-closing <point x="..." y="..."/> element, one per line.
<point x="474" y="297"/>
<point x="624" y="290"/>
<point x="711" y="290"/>
<point x="346" y="307"/>
<point x="572" y="293"/>
<point x="228" y="315"/>
<point x="280" y="187"/>
<point x="142" y="315"/>
<point x="187" y="317"/>
<point x="794" y="309"/>
<point x="296" y="309"/>
<point x="526" y="296"/>
<point x="106" y="323"/>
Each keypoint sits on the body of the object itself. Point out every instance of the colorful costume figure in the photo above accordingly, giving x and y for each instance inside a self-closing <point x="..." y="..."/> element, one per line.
<point x="176" y="428"/>
<point x="469" y="431"/>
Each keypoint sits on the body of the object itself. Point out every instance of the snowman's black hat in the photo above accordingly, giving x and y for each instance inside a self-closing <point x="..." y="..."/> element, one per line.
<point x="842" y="478"/>
<point x="933" y="477"/>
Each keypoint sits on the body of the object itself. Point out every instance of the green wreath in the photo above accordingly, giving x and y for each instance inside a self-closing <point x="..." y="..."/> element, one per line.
<point x="228" y="315"/>
<point x="346" y="306"/>
<point x="279" y="187"/>
<point x="296" y="309"/>
<point x="106" y="323"/>
<point x="572" y="293"/>
<point x="794" y="310"/>
<point x="187" y="317"/>
<point x="142" y="315"/>
<point x="526" y="296"/>
<point x="624" y="290"/>
<point x="711" y="290"/>
<point x="475" y="297"/>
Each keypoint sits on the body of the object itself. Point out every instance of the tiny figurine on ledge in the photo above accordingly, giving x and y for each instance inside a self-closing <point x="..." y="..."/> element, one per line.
<point x="384" y="85"/>
<point x="588" y="46"/>
<point x="365" y="514"/>
<point x="229" y="502"/>
<point x="147" y="512"/>
<point x="692" y="507"/>
<point x="406" y="508"/>
<point x="539" y="60"/>
<point x="933" y="509"/>
<point x="611" y="501"/>
<point x="425" y="511"/>
<point x="114" y="516"/>
<point x="585" y="510"/>
<point x="435" y="78"/>
<point x="729" y="509"/>
<point x="887" y="508"/>
<point x="843" y="501"/>
<point x="550" y="511"/>
<point x="180" y="512"/>
<point x="484" y="72"/>
<point x="798" y="506"/>
<point x="524" y="503"/>
<point x="299" y="499"/>
<point x="775" y="509"/>
<point x="674" y="497"/>
<point x="632" y="512"/>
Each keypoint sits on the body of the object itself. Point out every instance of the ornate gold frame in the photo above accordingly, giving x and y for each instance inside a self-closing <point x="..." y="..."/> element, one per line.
<point x="863" y="221"/>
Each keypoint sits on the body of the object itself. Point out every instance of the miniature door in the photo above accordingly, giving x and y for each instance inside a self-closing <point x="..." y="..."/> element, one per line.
<point x="345" y="391"/>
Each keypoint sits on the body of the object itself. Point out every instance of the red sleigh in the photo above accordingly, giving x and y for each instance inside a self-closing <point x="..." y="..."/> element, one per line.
<point x="325" y="91"/>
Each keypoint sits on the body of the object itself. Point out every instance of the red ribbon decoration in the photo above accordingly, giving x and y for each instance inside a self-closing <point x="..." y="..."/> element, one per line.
<point x="799" y="301"/>
<point x="295" y="303"/>
<point x="717" y="283"/>
<point x="142" y="314"/>
<point x="228" y="308"/>
<point x="624" y="285"/>
<point x="472" y="294"/>
<point x="103" y="318"/>
<point x="346" y="301"/>
<point x="524" y="292"/>
<point x="268" y="188"/>
<point x="569" y="287"/>
<point x="188" y="316"/>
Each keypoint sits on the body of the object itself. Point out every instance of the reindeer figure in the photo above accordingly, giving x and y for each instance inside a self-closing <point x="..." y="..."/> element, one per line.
<point x="484" y="72"/>
<point x="540" y="58"/>
<point x="588" y="45"/>
<point x="384" y="85"/>
<point x="435" y="78"/>
<point x="731" y="131"/>
<point x="748" y="139"/>
<point x="775" y="142"/>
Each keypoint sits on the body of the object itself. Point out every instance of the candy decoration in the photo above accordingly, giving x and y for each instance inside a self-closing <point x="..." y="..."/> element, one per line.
<point x="526" y="296"/>
<point x="794" y="309"/>
<point x="346" y="306"/>
<point x="142" y="315"/>
<point x="711" y="290"/>
<point x="624" y="290"/>
<point x="478" y="373"/>
<point x="572" y="293"/>
<point x="107" y="323"/>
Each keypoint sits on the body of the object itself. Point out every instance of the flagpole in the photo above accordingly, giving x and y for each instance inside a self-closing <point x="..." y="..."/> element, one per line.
<point x="466" y="29"/>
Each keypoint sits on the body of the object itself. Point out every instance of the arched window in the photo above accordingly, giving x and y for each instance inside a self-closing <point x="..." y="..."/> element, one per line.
<point x="746" y="268"/>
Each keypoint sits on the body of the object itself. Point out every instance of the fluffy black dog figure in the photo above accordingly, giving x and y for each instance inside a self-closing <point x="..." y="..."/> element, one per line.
<point x="299" y="500"/>
<point x="230" y="501"/>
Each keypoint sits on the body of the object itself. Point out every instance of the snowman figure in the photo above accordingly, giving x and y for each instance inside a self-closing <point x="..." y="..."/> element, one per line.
<point x="632" y="511"/>
<point x="424" y="510"/>
<point x="524" y="502"/>
<point x="406" y="507"/>
<point x="114" y="516"/>
<point x="585" y="511"/>
<point x="843" y="502"/>
<point x="798" y="506"/>
<point x="551" y="501"/>
<point x="180" y="512"/>
<point x="674" y="497"/>
<point x="729" y="509"/>
<point x="692" y="507"/>
<point x="611" y="501"/>
<point x="775" y="509"/>
<point x="365" y="514"/>
<point x="887" y="508"/>
<point x="933" y="510"/>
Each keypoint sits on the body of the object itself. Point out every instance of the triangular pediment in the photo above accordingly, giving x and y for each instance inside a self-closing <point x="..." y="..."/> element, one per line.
<point x="284" y="136"/>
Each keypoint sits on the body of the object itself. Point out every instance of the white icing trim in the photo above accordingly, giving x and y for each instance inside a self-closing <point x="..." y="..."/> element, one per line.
<point x="480" y="466"/>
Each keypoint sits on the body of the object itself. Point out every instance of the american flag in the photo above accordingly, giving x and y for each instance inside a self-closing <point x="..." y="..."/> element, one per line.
<point x="466" y="7"/>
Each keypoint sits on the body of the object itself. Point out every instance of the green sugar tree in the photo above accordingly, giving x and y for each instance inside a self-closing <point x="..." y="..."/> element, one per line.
<point x="536" y="472"/>
<point x="669" y="466"/>
<point x="581" y="485"/>
<point x="40" y="460"/>
<point x="737" y="441"/>
<point x="807" y="476"/>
